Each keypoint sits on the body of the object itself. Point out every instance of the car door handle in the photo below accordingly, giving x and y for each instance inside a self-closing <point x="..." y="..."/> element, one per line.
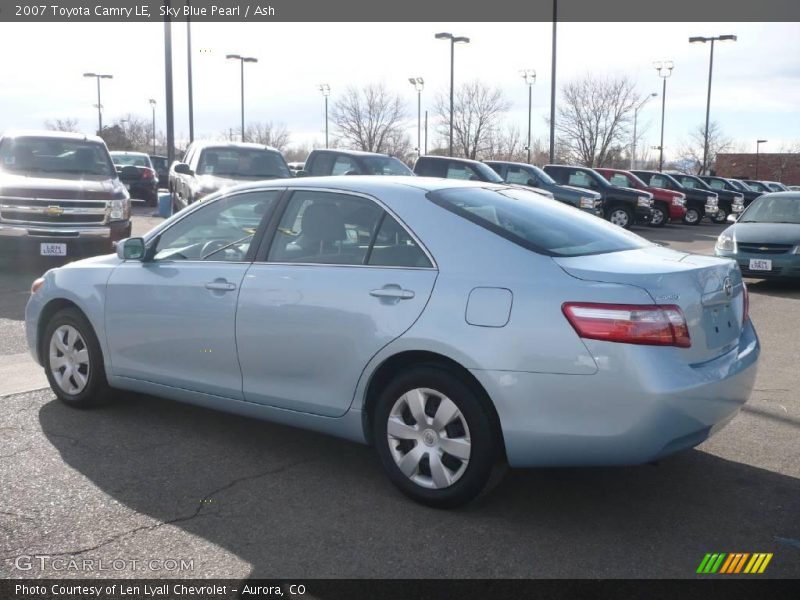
<point x="220" y="286"/>
<point x="393" y="292"/>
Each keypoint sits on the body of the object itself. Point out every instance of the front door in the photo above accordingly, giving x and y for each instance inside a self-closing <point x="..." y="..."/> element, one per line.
<point x="342" y="278"/>
<point x="171" y="320"/>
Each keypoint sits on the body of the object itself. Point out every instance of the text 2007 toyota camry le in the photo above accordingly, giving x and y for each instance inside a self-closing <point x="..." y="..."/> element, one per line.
<point x="454" y="325"/>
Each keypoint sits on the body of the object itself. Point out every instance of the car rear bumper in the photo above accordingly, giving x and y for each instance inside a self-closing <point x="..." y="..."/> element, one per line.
<point x="644" y="403"/>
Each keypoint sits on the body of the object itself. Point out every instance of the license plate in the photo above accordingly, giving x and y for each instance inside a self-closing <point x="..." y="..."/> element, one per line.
<point x="53" y="249"/>
<point x="760" y="264"/>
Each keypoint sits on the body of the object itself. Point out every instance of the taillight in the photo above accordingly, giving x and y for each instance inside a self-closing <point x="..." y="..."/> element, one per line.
<point x="148" y="173"/>
<point x="648" y="324"/>
<point x="746" y="303"/>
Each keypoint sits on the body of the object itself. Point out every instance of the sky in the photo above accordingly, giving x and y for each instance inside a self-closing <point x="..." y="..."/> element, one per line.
<point x="755" y="95"/>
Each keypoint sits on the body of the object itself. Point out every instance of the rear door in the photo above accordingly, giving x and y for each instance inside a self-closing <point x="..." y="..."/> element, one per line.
<point x="340" y="279"/>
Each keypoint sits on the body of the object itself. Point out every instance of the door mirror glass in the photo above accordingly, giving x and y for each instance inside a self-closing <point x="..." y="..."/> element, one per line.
<point x="131" y="249"/>
<point x="183" y="169"/>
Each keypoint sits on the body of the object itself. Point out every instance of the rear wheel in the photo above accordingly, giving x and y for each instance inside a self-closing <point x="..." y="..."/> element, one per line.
<point x="434" y="437"/>
<point x="660" y="216"/>
<point x="73" y="361"/>
<point x="692" y="216"/>
<point x="621" y="216"/>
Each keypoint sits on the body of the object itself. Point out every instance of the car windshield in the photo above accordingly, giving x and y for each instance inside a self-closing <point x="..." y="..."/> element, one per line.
<point x="130" y="160"/>
<point x="738" y="185"/>
<point x="538" y="224"/>
<point x="242" y="162"/>
<point x="159" y="162"/>
<point x="385" y="165"/>
<point x="773" y="209"/>
<point x="693" y="182"/>
<point x="487" y="172"/>
<point x="42" y="155"/>
<point x="716" y="184"/>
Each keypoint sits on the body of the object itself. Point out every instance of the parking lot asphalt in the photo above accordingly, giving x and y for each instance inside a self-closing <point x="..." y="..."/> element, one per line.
<point x="148" y="479"/>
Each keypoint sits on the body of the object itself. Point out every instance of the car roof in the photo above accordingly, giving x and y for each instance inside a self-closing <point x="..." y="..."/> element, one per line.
<point x="64" y="135"/>
<point x="351" y="152"/>
<point x="128" y="153"/>
<point x="456" y="158"/>
<point x="509" y="162"/>
<point x="222" y="144"/>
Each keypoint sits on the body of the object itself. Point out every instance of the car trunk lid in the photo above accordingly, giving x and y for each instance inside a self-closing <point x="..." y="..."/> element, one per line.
<point x="708" y="290"/>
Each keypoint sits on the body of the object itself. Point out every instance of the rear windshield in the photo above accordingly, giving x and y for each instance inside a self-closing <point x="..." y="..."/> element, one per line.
<point x="385" y="165"/>
<point x="131" y="160"/>
<point x="536" y="223"/>
<point x="242" y="162"/>
<point x="42" y="156"/>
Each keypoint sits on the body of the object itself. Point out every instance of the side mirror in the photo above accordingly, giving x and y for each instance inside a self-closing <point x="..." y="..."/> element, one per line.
<point x="183" y="169"/>
<point x="732" y="218"/>
<point x="352" y="172"/>
<point x="131" y="248"/>
<point x="302" y="173"/>
<point x="129" y="172"/>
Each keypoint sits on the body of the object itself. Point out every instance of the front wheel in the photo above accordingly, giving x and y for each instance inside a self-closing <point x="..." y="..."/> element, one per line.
<point x="692" y="216"/>
<point x="73" y="361"/>
<point x="434" y="437"/>
<point x="721" y="216"/>
<point x="621" y="216"/>
<point x="660" y="216"/>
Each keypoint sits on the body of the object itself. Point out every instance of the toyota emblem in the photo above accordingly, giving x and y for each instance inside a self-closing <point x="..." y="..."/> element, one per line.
<point x="727" y="285"/>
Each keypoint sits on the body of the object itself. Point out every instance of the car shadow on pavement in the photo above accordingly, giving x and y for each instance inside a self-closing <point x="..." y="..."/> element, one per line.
<point x="293" y="503"/>
<point x="776" y="288"/>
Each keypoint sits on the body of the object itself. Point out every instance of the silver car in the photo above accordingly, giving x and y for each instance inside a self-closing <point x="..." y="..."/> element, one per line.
<point x="453" y="325"/>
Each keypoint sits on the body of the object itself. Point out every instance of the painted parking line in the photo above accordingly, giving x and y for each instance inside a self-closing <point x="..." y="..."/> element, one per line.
<point x="20" y="373"/>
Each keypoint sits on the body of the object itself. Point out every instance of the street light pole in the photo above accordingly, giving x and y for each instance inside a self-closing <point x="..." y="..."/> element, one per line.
<point x="703" y="40"/>
<point x="529" y="75"/>
<point x="189" y="70"/>
<point x="242" y="60"/>
<point x="326" y="91"/>
<point x="153" y="106"/>
<point x="419" y="85"/>
<point x="758" y="146"/>
<point x="453" y="41"/>
<point x="664" y="70"/>
<point x="635" y="117"/>
<point x="99" y="76"/>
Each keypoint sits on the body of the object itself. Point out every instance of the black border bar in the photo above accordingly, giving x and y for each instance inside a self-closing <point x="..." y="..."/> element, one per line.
<point x="401" y="11"/>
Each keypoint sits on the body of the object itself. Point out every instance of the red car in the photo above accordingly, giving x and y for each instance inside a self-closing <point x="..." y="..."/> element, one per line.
<point x="666" y="203"/>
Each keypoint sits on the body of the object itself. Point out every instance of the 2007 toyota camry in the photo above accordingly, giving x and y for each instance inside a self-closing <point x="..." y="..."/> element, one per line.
<point x="453" y="325"/>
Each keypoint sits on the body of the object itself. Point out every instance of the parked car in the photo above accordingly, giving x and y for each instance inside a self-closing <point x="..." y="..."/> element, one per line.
<point x="667" y="205"/>
<point x="731" y="197"/>
<point x="60" y="195"/>
<point x="532" y="176"/>
<point x="622" y="206"/>
<point x="313" y="304"/>
<point x="758" y="186"/>
<point x="142" y="179"/>
<point x="352" y="162"/>
<point x="294" y="167"/>
<point x="210" y="166"/>
<point x="449" y="167"/>
<point x="161" y="165"/>
<point x="794" y="188"/>
<point x="732" y="186"/>
<point x="699" y="202"/>
<point x="776" y="186"/>
<point x="765" y="239"/>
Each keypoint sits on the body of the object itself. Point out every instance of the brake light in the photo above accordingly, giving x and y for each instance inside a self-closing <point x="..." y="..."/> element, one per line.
<point x="148" y="173"/>
<point x="746" y="303"/>
<point x="647" y="324"/>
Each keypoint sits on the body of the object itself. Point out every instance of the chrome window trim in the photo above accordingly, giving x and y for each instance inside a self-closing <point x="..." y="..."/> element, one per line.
<point x="366" y="196"/>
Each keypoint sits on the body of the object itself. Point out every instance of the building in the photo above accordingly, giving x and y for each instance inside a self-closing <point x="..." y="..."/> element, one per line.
<point x="783" y="167"/>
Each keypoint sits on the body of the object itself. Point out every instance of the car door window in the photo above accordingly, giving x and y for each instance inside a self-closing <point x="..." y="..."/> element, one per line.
<point x="658" y="181"/>
<point x="343" y="165"/>
<point x="394" y="247"/>
<point x="459" y="171"/>
<point x="519" y="175"/>
<point x="620" y="180"/>
<point x="580" y="179"/>
<point x="325" y="228"/>
<point x="221" y="231"/>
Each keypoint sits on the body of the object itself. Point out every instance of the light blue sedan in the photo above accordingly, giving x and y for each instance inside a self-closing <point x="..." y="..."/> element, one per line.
<point x="453" y="325"/>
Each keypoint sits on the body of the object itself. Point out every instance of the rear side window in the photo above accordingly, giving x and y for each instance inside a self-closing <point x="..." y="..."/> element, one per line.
<point x="541" y="225"/>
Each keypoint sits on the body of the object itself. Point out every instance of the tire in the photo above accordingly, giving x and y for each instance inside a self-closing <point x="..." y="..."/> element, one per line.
<point x="619" y="215"/>
<point x="721" y="216"/>
<point x="692" y="216"/>
<point x="449" y="481"/>
<point x="91" y="389"/>
<point x="660" y="216"/>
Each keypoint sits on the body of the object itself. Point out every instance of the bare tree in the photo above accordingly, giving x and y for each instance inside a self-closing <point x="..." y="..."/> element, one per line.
<point x="593" y="118"/>
<point x="68" y="124"/>
<point x="370" y="118"/>
<point x="477" y="114"/>
<point x="692" y="148"/>
<point x="130" y="132"/>
<point x="268" y="134"/>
